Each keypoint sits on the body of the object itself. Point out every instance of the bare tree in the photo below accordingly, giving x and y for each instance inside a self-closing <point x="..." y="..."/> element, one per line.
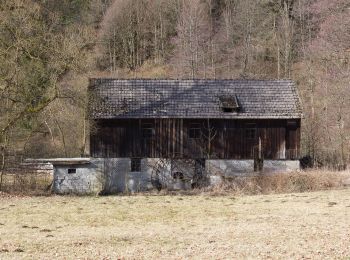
<point x="192" y="39"/>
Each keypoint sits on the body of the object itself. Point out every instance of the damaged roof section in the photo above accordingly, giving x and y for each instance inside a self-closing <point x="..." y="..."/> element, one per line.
<point x="229" y="103"/>
<point x="198" y="98"/>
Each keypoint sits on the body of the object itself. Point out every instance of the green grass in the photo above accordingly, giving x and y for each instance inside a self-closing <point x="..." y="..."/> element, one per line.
<point x="314" y="225"/>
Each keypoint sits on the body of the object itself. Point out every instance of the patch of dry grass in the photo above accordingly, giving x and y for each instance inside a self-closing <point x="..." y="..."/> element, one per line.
<point x="314" y="225"/>
<point x="27" y="184"/>
<point x="303" y="181"/>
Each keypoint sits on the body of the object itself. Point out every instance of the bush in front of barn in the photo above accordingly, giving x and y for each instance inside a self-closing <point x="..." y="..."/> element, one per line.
<point x="303" y="181"/>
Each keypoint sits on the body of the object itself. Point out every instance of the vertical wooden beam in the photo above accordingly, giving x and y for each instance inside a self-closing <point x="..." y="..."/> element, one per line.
<point x="160" y="152"/>
<point x="169" y="137"/>
<point x="181" y="137"/>
<point x="298" y="137"/>
<point x="174" y="136"/>
<point x="140" y="141"/>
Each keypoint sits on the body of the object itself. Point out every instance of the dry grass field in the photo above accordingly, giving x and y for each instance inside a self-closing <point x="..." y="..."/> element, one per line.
<point x="300" y="225"/>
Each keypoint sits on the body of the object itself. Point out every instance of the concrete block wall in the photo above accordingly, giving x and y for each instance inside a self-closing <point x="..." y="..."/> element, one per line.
<point x="88" y="179"/>
<point x="113" y="175"/>
<point x="229" y="168"/>
<point x="107" y="176"/>
<point x="119" y="177"/>
<point x="160" y="170"/>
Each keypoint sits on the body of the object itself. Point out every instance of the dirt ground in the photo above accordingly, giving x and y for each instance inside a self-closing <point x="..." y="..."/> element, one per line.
<point x="304" y="225"/>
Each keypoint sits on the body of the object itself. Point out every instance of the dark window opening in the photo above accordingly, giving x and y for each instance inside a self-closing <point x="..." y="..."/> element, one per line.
<point x="194" y="131"/>
<point x="135" y="165"/>
<point x="227" y="110"/>
<point x="178" y="175"/>
<point x="147" y="131"/>
<point x="250" y="131"/>
<point x="229" y="104"/>
<point x="72" y="171"/>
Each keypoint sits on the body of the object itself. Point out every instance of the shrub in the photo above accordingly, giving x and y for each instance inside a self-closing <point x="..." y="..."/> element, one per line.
<point x="311" y="180"/>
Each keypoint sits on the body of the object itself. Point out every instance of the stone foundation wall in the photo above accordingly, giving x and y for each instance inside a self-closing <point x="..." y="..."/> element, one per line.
<point x="229" y="168"/>
<point x="113" y="175"/>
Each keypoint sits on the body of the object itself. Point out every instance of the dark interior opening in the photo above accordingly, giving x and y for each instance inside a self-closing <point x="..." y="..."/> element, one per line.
<point x="147" y="131"/>
<point x="194" y="131"/>
<point x="227" y="109"/>
<point x="178" y="175"/>
<point x="135" y="165"/>
<point x="72" y="171"/>
<point x="251" y="131"/>
<point x="229" y="104"/>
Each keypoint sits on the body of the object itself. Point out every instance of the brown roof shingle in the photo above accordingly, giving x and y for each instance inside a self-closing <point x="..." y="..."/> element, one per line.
<point x="197" y="98"/>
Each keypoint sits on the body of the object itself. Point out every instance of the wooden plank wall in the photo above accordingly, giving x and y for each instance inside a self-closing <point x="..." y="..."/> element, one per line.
<point x="170" y="139"/>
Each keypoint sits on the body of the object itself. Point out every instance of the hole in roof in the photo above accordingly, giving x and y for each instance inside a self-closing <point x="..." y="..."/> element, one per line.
<point x="229" y="103"/>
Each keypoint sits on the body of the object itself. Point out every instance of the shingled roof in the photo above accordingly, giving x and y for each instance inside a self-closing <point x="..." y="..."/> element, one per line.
<point x="198" y="98"/>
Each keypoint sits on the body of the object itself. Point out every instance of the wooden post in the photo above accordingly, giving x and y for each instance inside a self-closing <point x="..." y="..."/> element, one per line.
<point x="181" y="137"/>
<point x="258" y="157"/>
<point x="260" y="152"/>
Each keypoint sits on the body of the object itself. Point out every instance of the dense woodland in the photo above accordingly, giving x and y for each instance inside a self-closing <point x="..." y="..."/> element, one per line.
<point x="49" y="49"/>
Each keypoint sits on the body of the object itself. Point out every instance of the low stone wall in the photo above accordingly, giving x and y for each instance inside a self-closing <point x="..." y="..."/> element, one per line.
<point x="109" y="176"/>
<point x="113" y="175"/>
<point x="229" y="168"/>
<point x="160" y="173"/>
<point x="115" y="172"/>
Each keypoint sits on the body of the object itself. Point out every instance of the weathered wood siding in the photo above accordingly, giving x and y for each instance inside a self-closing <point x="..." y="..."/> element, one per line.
<point x="170" y="138"/>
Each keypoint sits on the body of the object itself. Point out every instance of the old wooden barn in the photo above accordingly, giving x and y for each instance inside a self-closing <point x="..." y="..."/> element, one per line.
<point x="149" y="133"/>
<point x="216" y="119"/>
